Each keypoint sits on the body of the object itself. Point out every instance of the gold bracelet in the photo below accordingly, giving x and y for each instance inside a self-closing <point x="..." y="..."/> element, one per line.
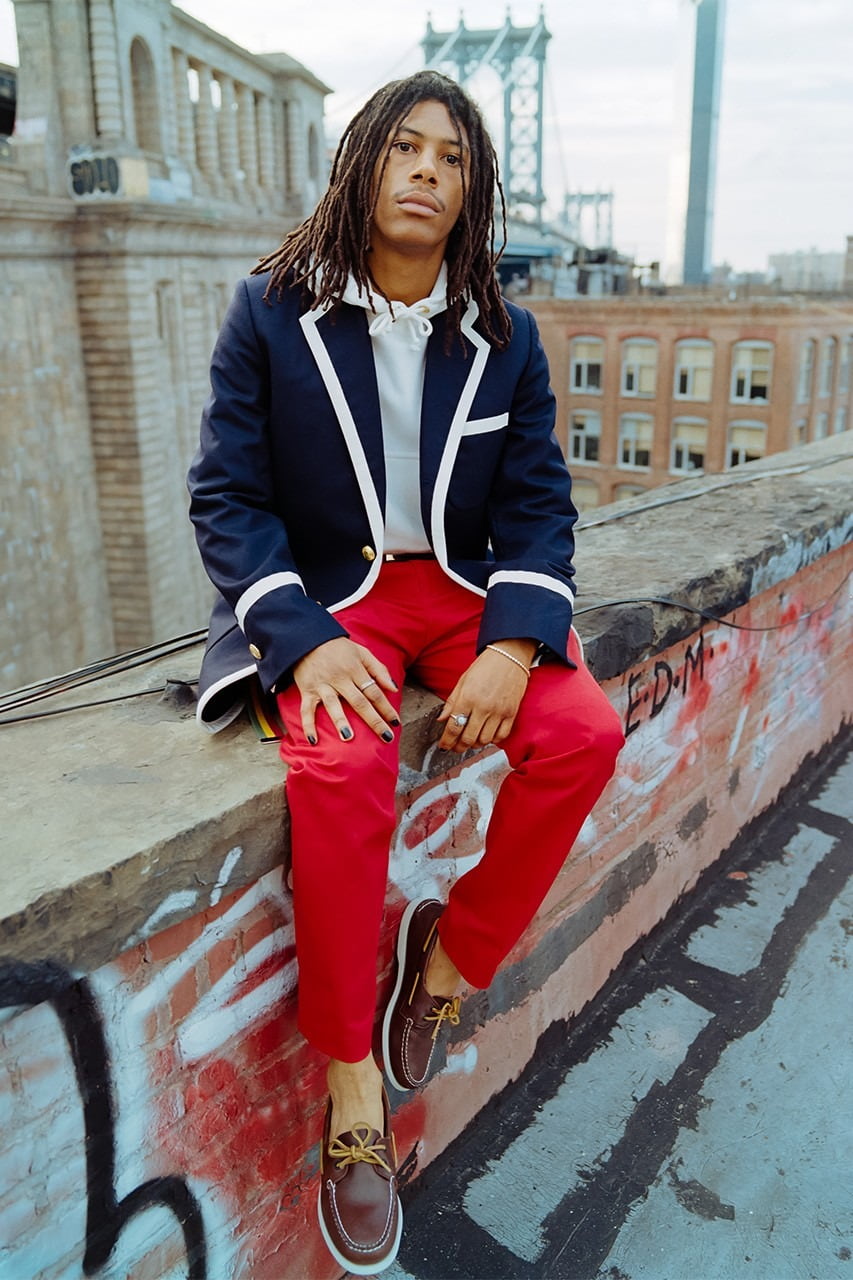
<point x="496" y="649"/>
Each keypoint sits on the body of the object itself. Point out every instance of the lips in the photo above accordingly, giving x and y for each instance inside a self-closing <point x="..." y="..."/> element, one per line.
<point x="420" y="199"/>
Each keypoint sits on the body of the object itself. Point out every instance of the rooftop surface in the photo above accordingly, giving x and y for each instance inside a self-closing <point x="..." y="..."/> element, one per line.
<point x="694" y="1122"/>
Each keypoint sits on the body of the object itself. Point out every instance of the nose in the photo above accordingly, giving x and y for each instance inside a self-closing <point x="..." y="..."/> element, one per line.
<point x="425" y="167"/>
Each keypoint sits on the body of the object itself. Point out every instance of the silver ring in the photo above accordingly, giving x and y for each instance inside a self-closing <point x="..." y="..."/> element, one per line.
<point x="461" y="720"/>
<point x="362" y="687"/>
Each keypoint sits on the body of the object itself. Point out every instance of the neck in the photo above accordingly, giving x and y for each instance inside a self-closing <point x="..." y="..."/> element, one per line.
<point x="403" y="278"/>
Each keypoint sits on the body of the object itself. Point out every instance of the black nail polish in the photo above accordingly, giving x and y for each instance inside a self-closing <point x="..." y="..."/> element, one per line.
<point x="387" y="736"/>
<point x="312" y="740"/>
<point x="346" y="734"/>
<point x="395" y="723"/>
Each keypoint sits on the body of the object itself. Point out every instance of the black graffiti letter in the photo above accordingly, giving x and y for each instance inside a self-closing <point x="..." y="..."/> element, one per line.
<point x="660" y="698"/>
<point x="694" y="664"/>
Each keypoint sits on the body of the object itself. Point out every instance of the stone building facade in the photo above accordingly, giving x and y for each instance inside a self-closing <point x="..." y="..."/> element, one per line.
<point x="151" y="163"/>
<point x="653" y="389"/>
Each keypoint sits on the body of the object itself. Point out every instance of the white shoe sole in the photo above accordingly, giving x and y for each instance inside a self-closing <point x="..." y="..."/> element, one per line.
<point x="402" y="939"/>
<point x="360" y="1269"/>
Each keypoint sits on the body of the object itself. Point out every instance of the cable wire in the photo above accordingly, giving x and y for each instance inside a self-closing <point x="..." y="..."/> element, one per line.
<point x="590" y="608"/>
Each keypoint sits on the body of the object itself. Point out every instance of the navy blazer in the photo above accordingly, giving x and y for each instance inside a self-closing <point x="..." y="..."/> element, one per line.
<point x="288" y="486"/>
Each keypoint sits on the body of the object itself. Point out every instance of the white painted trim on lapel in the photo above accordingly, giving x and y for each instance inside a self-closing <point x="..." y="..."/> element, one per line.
<point x="262" y="588"/>
<point x="364" y="479"/>
<point x="451" y="444"/>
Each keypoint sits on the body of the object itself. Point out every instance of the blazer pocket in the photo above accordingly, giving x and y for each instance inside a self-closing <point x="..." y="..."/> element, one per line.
<point x="480" y="426"/>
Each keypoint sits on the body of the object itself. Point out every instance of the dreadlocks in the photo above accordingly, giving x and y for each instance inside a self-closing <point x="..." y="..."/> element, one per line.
<point x="334" y="241"/>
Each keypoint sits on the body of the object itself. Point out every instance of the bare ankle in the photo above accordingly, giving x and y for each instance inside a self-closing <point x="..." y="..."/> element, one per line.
<point x="356" y="1092"/>
<point x="442" y="978"/>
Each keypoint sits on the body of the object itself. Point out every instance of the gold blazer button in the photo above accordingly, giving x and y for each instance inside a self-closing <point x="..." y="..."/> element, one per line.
<point x="369" y="554"/>
<point x="255" y="652"/>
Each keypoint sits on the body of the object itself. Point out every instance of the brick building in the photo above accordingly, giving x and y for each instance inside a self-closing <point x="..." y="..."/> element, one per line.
<point x="152" y="162"/>
<point x="651" y="389"/>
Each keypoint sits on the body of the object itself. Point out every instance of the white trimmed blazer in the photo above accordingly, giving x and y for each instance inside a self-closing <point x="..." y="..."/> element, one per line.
<point x="287" y="489"/>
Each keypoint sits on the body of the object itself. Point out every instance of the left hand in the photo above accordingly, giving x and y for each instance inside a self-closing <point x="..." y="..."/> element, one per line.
<point x="489" y="693"/>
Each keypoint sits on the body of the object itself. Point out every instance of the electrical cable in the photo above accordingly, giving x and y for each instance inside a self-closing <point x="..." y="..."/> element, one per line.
<point x="590" y="608"/>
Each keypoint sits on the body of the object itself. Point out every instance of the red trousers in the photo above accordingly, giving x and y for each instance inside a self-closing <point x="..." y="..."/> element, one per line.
<point x="340" y="795"/>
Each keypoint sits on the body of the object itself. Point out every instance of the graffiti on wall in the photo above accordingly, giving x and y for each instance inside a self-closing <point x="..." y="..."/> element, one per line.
<point x="648" y="693"/>
<point x="79" y="1018"/>
<point x="161" y="1108"/>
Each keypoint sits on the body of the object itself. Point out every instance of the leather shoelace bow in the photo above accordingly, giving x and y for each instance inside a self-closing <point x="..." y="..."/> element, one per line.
<point x="447" y="1012"/>
<point x="360" y="1151"/>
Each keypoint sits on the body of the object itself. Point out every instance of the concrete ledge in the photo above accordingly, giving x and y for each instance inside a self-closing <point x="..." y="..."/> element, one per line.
<point x="121" y="818"/>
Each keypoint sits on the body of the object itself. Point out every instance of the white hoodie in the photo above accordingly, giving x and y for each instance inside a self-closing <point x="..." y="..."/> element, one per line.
<point x="398" y="335"/>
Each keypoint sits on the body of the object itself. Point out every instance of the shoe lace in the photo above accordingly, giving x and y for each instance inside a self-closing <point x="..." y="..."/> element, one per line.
<point x="446" y="1012"/>
<point x="361" y="1151"/>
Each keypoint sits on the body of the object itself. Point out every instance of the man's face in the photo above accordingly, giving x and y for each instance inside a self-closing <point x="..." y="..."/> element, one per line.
<point x="420" y="196"/>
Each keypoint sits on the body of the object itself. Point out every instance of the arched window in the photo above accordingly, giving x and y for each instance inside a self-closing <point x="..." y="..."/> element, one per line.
<point x="587" y="359"/>
<point x="694" y="368"/>
<point x="584" y="435"/>
<point x="146" y="118"/>
<point x="689" y="445"/>
<point x="639" y="367"/>
<point x="585" y="494"/>
<point x="751" y="365"/>
<point x="804" y="382"/>
<point x="636" y="432"/>
<point x="747" y="442"/>
<point x="827" y="366"/>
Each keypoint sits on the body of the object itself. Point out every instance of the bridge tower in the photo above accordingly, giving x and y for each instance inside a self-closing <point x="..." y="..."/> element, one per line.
<point x="518" y="56"/>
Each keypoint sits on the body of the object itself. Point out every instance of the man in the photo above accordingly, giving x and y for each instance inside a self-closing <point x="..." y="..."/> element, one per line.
<point x="378" y="491"/>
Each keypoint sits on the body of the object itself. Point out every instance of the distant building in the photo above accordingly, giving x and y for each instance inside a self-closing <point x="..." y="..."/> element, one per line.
<point x="693" y="167"/>
<point x="807" y="271"/>
<point x="653" y="389"/>
<point x="151" y="162"/>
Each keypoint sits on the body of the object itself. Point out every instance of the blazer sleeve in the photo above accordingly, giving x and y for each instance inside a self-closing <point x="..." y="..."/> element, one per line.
<point x="242" y="540"/>
<point x="531" y="588"/>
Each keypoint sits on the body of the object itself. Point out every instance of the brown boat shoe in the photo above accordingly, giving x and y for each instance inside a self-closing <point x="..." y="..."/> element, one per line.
<point x="414" y="1017"/>
<point x="360" y="1216"/>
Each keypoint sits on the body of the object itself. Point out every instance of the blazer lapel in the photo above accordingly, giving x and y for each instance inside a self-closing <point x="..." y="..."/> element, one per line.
<point x="450" y="385"/>
<point x="341" y="348"/>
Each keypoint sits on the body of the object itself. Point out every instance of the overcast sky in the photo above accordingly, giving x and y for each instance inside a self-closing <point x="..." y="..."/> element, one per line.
<point x="785" y="169"/>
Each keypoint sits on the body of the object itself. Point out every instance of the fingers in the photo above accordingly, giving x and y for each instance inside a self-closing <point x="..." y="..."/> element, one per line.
<point x="326" y="697"/>
<point x="339" y="676"/>
<point x="478" y="730"/>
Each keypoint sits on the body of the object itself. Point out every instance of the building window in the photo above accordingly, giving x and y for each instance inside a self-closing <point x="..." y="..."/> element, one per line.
<point x="145" y="100"/>
<point x="585" y="435"/>
<point x="585" y="494"/>
<point x="636" y="431"/>
<point x="804" y="386"/>
<point x="689" y="445"/>
<point x="587" y="359"/>
<point x="844" y="367"/>
<point x="827" y="366"/>
<point x="751" y="363"/>
<point x="621" y="491"/>
<point x="639" y="367"/>
<point x="801" y="431"/>
<point x="747" y="442"/>
<point x="694" y="367"/>
<point x="821" y="426"/>
<point x="840" y="423"/>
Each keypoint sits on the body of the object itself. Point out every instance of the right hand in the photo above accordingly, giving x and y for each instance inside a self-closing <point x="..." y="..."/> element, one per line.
<point x="341" y="671"/>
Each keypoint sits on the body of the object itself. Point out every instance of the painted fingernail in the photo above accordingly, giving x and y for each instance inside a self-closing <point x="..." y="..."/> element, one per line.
<point x="387" y="736"/>
<point x="312" y="740"/>
<point x="395" y="723"/>
<point x="346" y="734"/>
